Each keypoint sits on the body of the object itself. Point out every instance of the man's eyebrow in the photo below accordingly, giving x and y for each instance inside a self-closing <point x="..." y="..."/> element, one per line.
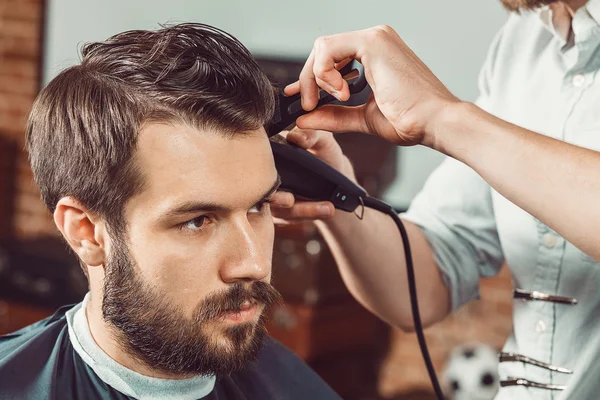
<point x="271" y="191"/>
<point x="194" y="206"/>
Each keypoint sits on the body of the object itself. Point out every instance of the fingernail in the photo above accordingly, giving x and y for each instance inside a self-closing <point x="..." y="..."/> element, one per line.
<point x="297" y="136"/>
<point x="337" y="95"/>
<point x="324" y="210"/>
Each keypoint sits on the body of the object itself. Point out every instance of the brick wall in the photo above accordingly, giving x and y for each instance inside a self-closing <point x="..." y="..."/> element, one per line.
<point x="21" y="23"/>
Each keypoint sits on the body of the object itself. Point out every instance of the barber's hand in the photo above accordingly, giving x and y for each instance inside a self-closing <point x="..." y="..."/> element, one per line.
<point x="407" y="98"/>
<point x="285" y="208"/>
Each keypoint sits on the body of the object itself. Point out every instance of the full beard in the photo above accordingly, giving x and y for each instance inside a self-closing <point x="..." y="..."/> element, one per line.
<point x="157" y="334"/>
<point x="525" y="5"/>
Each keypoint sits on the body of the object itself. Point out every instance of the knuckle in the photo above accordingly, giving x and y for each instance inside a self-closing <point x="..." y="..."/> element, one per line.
<point x="385" y="29"/>
<point x="381" y="32"/>
<point x="322" y="43"/>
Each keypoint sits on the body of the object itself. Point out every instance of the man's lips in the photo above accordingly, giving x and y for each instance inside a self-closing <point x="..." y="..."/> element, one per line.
<point x="245" y="313"/>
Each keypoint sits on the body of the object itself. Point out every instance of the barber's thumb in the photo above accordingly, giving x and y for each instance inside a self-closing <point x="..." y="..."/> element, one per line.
<point x="337" y="119"/>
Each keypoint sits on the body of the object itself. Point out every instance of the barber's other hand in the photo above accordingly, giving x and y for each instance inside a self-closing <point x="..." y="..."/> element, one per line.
<point x="407" y="101"/>
<point x="284" y="207"/>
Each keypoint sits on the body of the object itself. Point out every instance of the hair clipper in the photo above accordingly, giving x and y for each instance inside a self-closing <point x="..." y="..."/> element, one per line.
<point x="303" y="174"/>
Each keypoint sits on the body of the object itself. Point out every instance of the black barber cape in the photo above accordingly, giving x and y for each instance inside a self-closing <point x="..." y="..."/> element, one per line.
<point x="38" y="362"/>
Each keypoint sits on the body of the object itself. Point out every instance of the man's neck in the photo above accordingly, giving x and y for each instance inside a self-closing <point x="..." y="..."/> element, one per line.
<point x="575" y="5"/>
<point x="101" y="334"/>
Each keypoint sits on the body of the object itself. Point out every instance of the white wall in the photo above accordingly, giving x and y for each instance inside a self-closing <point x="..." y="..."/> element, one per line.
<point x="450" y="36"/>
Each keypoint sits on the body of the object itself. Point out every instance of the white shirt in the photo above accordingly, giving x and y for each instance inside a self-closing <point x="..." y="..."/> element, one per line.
<point x="536" y="79"/>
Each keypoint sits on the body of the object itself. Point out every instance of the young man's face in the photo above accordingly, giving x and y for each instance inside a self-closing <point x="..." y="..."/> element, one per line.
<point x="187" y="285"/>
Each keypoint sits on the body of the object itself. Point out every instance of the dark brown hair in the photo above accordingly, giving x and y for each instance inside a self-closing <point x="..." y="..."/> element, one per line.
<point x="83" y="127"/>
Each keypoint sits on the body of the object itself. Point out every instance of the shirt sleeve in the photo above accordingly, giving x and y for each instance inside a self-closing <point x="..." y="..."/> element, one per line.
<point x="455" y="212"/>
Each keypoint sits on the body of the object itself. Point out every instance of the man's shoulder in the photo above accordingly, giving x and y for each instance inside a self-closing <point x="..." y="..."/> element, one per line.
<point x="279" y="373"/>
<point x="28" y="356"/>
<point x="49" y="328"/>
<point x="39" y="362"/>
<point x="522" y="31"/>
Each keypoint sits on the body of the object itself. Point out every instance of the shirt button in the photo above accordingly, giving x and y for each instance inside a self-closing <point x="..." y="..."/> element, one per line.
<point x="549" y="240"/>
<point x="578" y="80"/>
<point x="540" y="326"/>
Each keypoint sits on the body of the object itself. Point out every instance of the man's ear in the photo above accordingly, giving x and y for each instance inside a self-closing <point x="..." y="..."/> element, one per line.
<point x="85" y="232"/>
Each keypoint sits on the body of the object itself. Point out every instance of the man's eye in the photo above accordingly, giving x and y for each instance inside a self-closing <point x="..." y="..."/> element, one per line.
<point x="261" y="207"/>
<point x="195" y="224"/>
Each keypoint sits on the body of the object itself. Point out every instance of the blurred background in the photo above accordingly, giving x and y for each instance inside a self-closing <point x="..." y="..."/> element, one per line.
<point x="359" y="356"/>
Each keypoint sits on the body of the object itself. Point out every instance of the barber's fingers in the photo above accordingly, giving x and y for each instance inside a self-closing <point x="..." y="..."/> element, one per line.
<point x="320" y="67"/>
<point x="342" y="93"/>
<point x="366" y="118"/>
<point x="311" y="139"/>
<point x="283" y="199"/>
<point x="304" y="211"/>
<point x="323" y="145"/>
<point x="311" y="79"/>
<point x="335" y="119"/>
<point x="308" y="85"/>
<point x="294" y="88"/>
<point x="328" y="51"/>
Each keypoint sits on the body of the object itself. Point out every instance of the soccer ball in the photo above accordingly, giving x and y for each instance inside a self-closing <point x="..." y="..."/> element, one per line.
<point x="471" y="373"/>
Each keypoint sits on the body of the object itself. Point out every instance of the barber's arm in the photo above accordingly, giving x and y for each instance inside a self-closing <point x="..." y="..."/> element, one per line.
<point x="411" y="106"/>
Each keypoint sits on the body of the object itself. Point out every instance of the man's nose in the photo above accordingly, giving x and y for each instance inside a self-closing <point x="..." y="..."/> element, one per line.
<point x="246" y="259"/>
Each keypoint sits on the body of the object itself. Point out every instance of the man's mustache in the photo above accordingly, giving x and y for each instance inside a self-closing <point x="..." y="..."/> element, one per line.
<point x="231" y="300"/>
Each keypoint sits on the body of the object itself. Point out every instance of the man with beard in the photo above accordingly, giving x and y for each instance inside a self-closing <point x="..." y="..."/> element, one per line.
<point x="521" y="184"/>
<point x="152" y="156"/>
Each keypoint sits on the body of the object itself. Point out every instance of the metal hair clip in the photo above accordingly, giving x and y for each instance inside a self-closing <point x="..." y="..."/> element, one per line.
<point x="511" y="381"/>
<point x="512" y="357"/>
<point x="527" y="383"/>
<point x="535" y="295"/>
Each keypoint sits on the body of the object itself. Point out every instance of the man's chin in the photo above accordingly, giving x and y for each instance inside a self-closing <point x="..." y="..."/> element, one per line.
<point x="245" y="335"/>
<point x="236" y="347"/>
<point x="223" y="354"/>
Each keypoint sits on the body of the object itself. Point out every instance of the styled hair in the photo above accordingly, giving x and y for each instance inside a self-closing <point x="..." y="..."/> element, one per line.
<point x="83" y="127"/>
